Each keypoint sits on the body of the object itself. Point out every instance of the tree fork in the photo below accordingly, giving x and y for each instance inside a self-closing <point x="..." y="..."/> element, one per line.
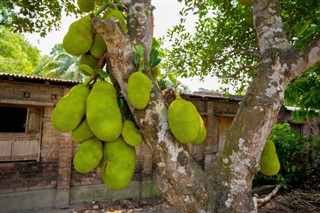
<point x="179" y="177"/>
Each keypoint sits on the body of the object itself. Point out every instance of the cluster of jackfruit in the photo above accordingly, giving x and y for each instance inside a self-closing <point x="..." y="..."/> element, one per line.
<point x="81" y="40"/>
<point x="96" y="122"/>
<point x="94" y="116"/>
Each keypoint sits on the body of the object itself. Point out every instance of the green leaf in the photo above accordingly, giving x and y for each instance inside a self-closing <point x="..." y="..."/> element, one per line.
<point x="103" y="74"/>
<point x="139" y="49"/>
<point x="154" y="60"/>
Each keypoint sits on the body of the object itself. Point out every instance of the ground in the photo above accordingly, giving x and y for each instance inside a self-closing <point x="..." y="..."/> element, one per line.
<point x="296" y="201"/>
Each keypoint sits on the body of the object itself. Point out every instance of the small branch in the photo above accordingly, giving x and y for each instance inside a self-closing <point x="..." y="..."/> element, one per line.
<point x="238" y="71"/>
<point x="267" y="198"/>
<point x="262" y="188"/>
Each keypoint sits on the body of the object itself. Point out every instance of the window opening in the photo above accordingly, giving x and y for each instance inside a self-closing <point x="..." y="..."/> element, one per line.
<point x="13" y="119"/>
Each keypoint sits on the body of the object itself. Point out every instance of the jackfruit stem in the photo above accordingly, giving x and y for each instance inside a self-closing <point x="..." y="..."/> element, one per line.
<point x="141" y="65"/>
<point x="101" y="9"/>
<point x="88" y="81"/>
<point x="176" y="94"/>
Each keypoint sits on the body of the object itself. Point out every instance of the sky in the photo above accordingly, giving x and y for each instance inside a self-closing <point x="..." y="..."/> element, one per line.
<point x="166" y="15"/>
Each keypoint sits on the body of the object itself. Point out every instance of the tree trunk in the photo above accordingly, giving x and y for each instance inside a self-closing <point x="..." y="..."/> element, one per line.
<point x="180" y="179"/>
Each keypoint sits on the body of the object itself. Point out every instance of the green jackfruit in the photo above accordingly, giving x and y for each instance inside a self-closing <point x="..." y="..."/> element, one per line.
<point x="79" y="37"/>
<point x="85" y="5"/>
<point x="120" y="163"/>
<point x="98" y="46"/>
<point x="139" y="88"/>
<point x="70" y="109"/>
<point x="82" y="132"/>
<point x="89" y="60"/>
<point x="131" y="134"/>
<point x="269" y="161"/>
<point x="103" y="112"/>
<point x="117" y="14"/>
<point x="183" y="119"/>
<point x="88" y="155"/>
<point x="202" y="133"/>
<point x="86" y="69"/>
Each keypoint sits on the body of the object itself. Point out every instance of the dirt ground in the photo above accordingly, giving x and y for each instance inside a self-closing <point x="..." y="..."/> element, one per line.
<point x="293" y="202"/>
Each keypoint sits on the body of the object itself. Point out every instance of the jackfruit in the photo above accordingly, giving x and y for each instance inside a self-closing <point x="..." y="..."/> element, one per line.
<point x="202" y="133"/>
<point x="88" y="155"/>
<point x="98" y="46"/>
<point x="103" y="112"/>
<point x="117" y="14"/>
<point x="79" y="37"/>
<point x="120" y="163"/>
<point x="183" y="119"/>
<point x="85" y="5"/>
<point x="269" y="161"/>
<point x="86" y="69"/>
<point x="89" y="60"/>
<point x="139" y="88"/>
<point x="131" y="134"/>
<point x="245" y="2"/>
<point x="155" y="72"/>
<point x="70" y="109"/>
<point x="82" y="132"/>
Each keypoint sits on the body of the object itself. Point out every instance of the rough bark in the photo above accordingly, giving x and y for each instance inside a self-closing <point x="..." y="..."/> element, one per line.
<point x="179" y="178"/>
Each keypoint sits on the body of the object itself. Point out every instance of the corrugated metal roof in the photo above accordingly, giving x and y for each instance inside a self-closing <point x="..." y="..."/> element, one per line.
<point x="57" y="81"/>
<point x="36" y="79"/>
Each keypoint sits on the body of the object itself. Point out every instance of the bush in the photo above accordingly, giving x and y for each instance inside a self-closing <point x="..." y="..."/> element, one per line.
<point x="299" y="158"/>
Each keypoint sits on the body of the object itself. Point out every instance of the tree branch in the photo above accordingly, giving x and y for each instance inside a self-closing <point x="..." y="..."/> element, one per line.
<point x="266" y="199"/>
<point x="269" y="26"/>
<point x="306" y="59"/>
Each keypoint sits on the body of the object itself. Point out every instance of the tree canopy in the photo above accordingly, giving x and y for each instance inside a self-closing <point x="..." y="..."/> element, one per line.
<point x="35" y="16"/>
<point x="225" y="44"/>
<point x="16" y="54"/>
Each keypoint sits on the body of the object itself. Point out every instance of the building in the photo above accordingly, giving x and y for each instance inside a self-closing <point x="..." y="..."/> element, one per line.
<point x="36" y="160"/>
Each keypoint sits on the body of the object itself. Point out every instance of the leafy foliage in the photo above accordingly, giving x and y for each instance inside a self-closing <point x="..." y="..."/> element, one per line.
<point x="299" y="158"/>
<point x="225" y="42"/>
<point x="305" y="94"/>
<point x="35" y="16"/>
<point x="17" y="55"/>
<point x="62" y="65"/>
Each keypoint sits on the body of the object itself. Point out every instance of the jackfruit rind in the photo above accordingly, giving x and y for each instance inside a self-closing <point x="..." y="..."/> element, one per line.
<point x="120" y="165"/>
<point x="139" y="88"/>
<point x="103" y="112"/>
<point x="85" y="5"/>
<point x="98" y="46"/>
<point x="269" y="161"/>
<point x="114" y="13"/>
<point x="88" y="155"/>
<point x="131" y="134"/>
<point x="82" y="132"/>
<point x="202" y="133"/>
<point x="70" y="109"/>
<point x="79" y="37"/>
<point x="85" y="69"/>
<point x="89" y="60"/>
<point x="183" y="119"/>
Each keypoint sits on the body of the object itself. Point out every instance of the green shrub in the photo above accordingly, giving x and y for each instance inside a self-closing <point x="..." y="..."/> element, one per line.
<point x="299" y="159"/>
